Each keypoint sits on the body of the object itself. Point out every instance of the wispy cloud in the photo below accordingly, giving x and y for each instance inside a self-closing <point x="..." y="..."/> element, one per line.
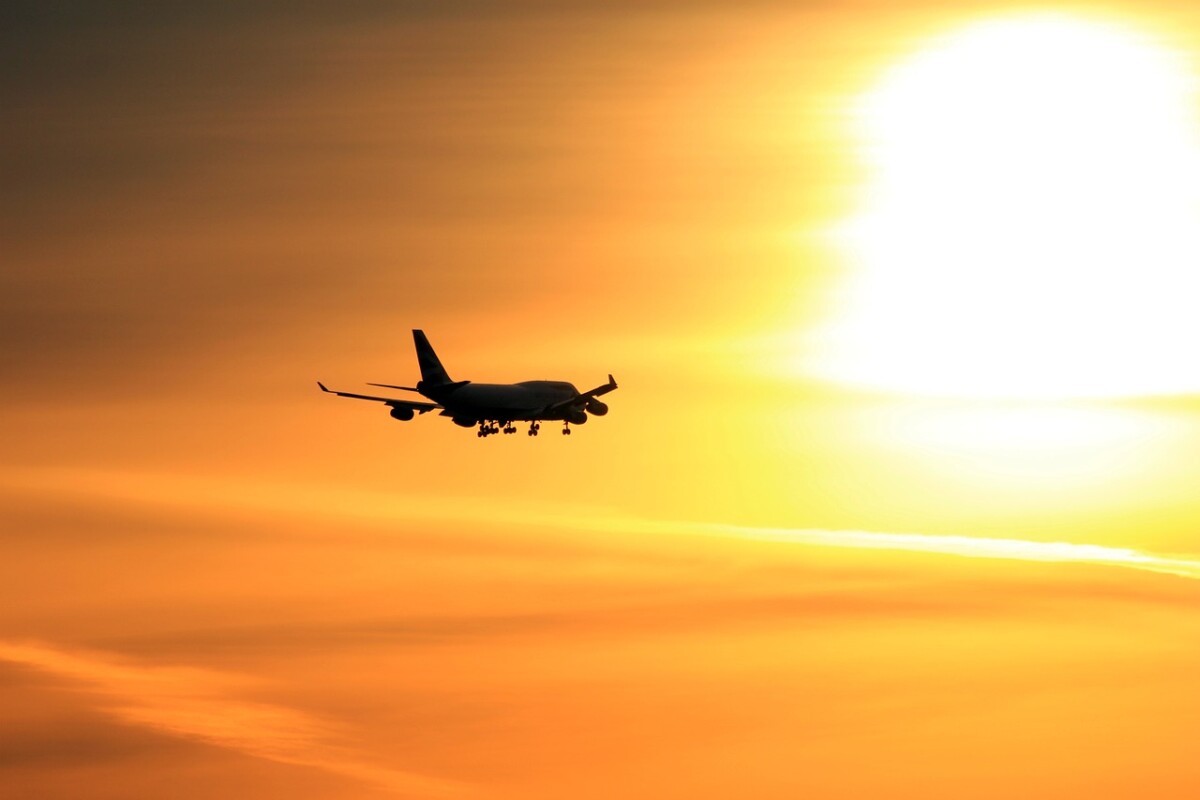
<point x="341" y="503"/>
<point x="975" y="547"/>
<point x="206" y="705"/>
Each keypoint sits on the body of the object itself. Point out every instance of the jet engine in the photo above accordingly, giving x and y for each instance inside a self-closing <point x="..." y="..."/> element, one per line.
<point x="594" y="406"/>
<point x="464" y="422"/>
<point x="402" y="413"/>
<point x="577" y="416"/>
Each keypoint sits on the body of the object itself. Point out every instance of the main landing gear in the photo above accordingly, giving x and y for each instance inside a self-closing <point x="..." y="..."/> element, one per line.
<point x="487" y="428"/>
<point x="534" y="427"/>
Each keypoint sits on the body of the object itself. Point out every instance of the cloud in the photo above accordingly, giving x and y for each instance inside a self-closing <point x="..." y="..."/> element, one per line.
<point x="334" y="503"/>
<point x="977" y="547"/>
<point x="206" y="705"/>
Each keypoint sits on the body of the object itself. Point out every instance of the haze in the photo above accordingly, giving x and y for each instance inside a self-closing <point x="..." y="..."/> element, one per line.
<point x="896" y="497"/>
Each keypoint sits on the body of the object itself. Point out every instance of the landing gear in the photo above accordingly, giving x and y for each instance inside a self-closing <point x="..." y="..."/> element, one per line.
<point x="534" y="427"/>
<point x="566" y="429"/>
<point x="488" y="427"/>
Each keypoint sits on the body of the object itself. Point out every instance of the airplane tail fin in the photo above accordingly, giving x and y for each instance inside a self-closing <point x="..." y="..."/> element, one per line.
<point x="432" y="371"/>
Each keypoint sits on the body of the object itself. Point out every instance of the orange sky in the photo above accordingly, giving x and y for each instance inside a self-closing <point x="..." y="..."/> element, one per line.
<point x="747" y="579"/>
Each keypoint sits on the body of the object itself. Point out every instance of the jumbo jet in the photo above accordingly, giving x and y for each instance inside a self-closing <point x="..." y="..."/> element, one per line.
<point x="494" y="407"/>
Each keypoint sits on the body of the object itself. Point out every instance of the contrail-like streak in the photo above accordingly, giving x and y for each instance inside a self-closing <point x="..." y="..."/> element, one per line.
<point x="973" y="547"/>
<point x="341" y="504"/>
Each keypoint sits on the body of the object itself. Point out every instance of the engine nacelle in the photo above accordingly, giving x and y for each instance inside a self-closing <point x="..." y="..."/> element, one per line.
<point x="402" y="413"/>
<point x="594" y="406"/>
<point x="577" y="416"/>
<point x="464" y="422"/>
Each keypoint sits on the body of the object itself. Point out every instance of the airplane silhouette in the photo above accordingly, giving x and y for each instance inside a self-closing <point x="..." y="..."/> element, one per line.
<point x="494" y="407"/>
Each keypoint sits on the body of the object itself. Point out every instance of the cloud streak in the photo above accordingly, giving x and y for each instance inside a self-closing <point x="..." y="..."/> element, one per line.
<point x="337" y="503"/>
<point x="204" y="705"/>
<point x="977" y="547"/>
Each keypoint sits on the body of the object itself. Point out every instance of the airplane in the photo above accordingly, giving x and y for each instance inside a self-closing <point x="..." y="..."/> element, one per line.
<point x="494" y="407"/>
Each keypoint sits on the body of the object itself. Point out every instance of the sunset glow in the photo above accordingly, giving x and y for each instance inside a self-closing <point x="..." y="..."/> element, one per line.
<point x="895" y="497"/>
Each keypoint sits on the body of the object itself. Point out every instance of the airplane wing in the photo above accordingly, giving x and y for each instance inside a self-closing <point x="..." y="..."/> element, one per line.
<point x="599" y="390"/>
<point x="583" y="397"/>
<point x="419" y="407"/>
<point x="394" y="386"/>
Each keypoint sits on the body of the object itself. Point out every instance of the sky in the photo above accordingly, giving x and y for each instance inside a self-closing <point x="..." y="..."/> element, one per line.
<point x="896" y="496"/>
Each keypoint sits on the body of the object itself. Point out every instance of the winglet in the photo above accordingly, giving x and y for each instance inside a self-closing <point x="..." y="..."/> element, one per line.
<point x="324" y="388"/>
<point x="599" y="390"/>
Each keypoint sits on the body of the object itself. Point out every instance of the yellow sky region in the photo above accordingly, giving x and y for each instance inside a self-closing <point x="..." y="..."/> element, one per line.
<point x="1029" y="224"/>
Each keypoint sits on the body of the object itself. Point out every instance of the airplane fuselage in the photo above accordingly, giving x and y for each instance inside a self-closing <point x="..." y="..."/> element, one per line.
<point x="528" y="400"/>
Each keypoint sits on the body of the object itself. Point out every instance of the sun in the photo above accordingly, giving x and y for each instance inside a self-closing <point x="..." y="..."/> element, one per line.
<point x="1030" y="223"/>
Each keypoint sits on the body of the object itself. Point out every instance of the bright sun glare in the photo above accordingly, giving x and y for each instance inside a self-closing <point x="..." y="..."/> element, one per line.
<point x="1030" y="228"/>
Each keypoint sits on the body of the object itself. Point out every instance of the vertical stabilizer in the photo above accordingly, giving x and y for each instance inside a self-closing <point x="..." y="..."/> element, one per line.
<point x="432" y="371"/>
